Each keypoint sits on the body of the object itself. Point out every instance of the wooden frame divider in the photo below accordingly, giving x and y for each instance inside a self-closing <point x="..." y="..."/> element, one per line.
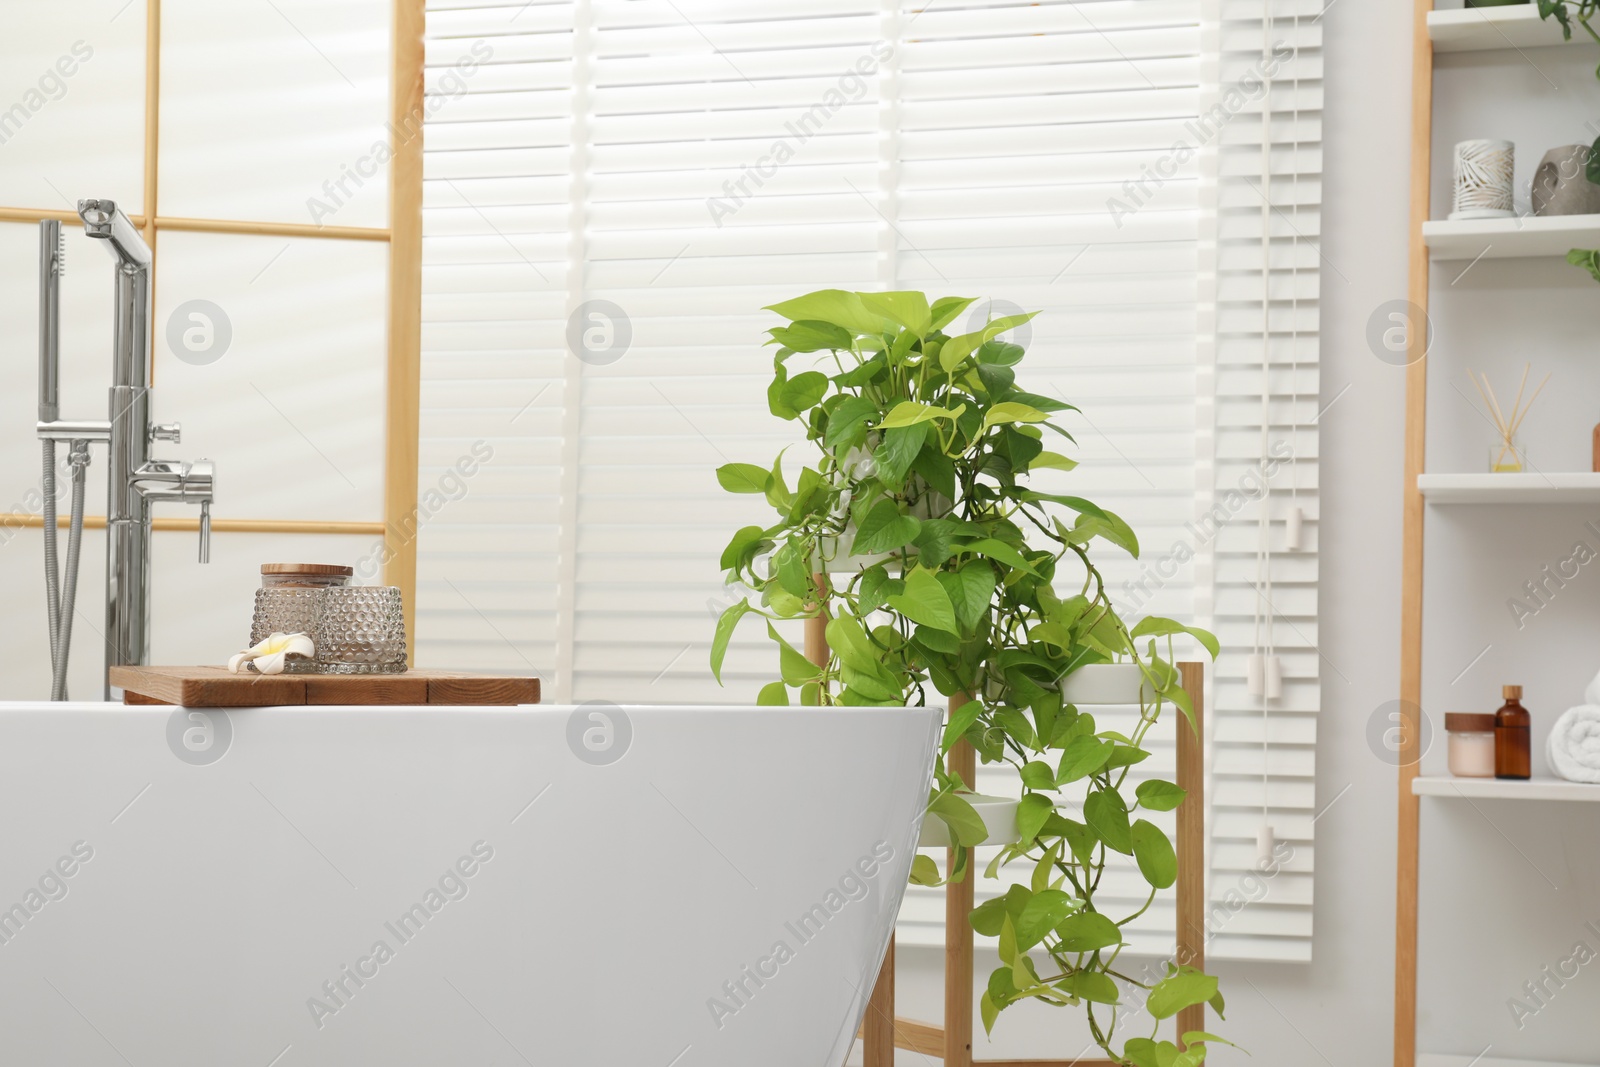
<point x="403" y="425"/>
<point x="175" y="523"/>
<point x="1411" y="559"/>
<point x="261" y="229"/>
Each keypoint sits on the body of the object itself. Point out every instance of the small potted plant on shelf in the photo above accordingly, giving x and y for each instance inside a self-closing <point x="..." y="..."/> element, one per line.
<point x="1566" y="12"/>
<point x="915" y="528"/>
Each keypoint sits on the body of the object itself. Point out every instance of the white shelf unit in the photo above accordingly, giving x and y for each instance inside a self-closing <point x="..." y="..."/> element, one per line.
<point x="1514" y="238"/>
<point x="1556" y="487"/>
<point x="1495" y="45"/>
<point x="1481" y="29"/>
<point x="1494" y="789"/>
<point x="1430" y="1059"/>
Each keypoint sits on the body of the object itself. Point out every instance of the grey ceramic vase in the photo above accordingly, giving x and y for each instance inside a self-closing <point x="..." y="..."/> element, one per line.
<point x="1561" y="186"/>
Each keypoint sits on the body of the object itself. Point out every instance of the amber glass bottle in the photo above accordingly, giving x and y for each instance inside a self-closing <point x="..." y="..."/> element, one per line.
<point x="1513" y="742"/>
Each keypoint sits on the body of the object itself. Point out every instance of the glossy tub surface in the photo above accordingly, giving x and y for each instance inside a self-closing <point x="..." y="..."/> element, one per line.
<point x="617" y="887"/>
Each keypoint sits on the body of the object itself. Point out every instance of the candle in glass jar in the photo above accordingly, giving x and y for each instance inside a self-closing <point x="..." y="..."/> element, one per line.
<point x="1471" y="745"/>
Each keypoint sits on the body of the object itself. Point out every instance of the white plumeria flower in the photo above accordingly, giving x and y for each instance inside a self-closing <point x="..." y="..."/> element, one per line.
<point x="269" y="656"/>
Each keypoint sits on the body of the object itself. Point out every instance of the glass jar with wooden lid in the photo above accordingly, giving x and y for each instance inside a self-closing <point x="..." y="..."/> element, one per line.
<point x="290" y="602"/>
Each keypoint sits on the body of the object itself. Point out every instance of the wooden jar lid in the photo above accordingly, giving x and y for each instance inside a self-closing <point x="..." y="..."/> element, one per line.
<point x="1468" y="722"/>
<point x="308" y="569"/>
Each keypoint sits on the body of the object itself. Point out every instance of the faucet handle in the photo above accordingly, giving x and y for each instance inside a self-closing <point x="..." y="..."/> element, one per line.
<point x="167" y="431"/>
<point x="205" y="531"/>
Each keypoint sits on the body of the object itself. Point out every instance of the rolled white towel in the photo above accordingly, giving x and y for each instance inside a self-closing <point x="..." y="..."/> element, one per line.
<point x="1574" y="746"/>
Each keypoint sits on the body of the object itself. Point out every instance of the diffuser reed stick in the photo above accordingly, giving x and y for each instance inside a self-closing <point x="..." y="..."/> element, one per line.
<point x="1504" y="454"/>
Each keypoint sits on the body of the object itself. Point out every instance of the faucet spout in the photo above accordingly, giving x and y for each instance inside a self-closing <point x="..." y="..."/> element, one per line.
<point x="105" y="220"/>
<point x="186" y="483"/>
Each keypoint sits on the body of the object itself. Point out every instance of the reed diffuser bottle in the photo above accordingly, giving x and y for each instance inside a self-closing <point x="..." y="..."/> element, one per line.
<point x="1507" y="455"/>
<point x="1513" y="741"/>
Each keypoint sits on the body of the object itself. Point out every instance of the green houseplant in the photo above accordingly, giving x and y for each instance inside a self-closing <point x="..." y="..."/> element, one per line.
<point x="1582" y="11"/>
<point x="1564" y="12"/>
<point x="919" y="487"/>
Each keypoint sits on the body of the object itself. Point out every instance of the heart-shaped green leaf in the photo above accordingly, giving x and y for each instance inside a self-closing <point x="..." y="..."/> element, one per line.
<point x="834" y="306"/>
<point x="1107" y="816"/>
<point x="946" y="308"/>
<point x="811" y="336"/>
<point x="1090" y="985"/>
<point x="1040" y="915"/>
<point x="719" y="641"/>
<point x="1088" y="931"/>
<point x="1157" y="795"/>
<point x="909" y="309"/>
<point x="803" y="391"/>
<point x="1182" y="990"/>
<point x="743" y="478"/>
<point x="884" y="529"/>
<point x="1009" y="412"/>
<point x="925" y="601"/>
<point x="1154" y="854"/>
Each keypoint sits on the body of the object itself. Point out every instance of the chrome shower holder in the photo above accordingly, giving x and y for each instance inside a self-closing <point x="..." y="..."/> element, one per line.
<point x="135" y="480"/>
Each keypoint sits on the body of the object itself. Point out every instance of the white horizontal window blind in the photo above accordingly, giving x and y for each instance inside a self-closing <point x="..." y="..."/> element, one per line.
<point x="1261" y="110"/>
<point x="497" y="165"/>
<point x="632" y="180"/>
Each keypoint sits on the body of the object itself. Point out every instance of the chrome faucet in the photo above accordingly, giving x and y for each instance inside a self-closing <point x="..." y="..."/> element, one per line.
<point x="136" y="481"/>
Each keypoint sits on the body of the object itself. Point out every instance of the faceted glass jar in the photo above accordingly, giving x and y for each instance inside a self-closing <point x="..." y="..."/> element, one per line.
<point x="290" y="602"/>
<point x="362" y="630"/>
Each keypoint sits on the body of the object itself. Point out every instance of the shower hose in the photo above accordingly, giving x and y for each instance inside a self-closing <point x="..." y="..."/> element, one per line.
<point x="61" y="591"/>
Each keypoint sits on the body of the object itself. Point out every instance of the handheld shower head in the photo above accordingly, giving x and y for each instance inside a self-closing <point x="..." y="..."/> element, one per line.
<point x="104" y="220"/>
<point x="50" y="241"/>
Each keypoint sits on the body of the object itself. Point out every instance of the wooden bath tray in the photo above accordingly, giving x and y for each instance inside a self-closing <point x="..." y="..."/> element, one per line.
<point x="214" y="687"/>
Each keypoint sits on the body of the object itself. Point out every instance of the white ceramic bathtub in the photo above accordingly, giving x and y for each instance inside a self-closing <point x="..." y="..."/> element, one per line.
<point x="666" y="887"/>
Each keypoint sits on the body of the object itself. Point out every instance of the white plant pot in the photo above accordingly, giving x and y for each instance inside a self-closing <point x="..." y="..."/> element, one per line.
<point x="999" y="815"/>
<point x="1104" y="683"/>
<point x="840" y="561"/>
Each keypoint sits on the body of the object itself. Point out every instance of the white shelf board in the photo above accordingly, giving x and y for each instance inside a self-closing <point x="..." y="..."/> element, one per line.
<point x="1435" y="1059"/>
<point x="1480" y="29"/>
<point x="1495" y="789"/>
<point x="1556" y="487"/>
<point x="1514" y="238"/>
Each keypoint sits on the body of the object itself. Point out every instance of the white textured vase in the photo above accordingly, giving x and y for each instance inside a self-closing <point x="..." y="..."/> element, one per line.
<point x="1483" y="179"/>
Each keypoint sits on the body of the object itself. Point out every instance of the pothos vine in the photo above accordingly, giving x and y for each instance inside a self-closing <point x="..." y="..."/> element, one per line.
<point x="923" y="527"/>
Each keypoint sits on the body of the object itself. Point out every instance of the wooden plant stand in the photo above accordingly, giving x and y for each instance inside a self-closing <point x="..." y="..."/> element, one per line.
<point x="882" y="1032"/>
